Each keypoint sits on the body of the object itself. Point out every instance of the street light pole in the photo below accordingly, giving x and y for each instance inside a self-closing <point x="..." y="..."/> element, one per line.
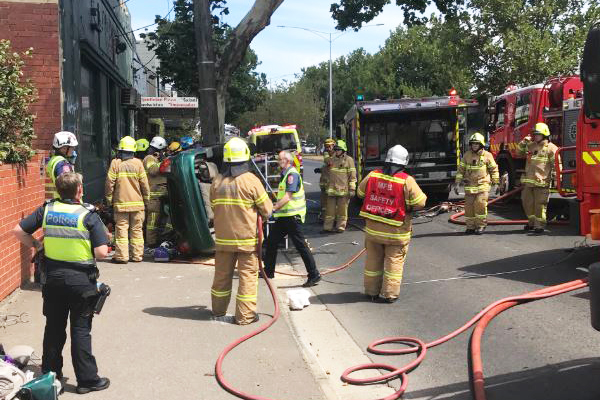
<point x="330" y="91"/>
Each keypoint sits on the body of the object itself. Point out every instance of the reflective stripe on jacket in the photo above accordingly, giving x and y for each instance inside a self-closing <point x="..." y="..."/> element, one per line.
<point x="297" y="204"/>
<point x="342" y="176"/>
<point x="236" y="203"/>
<point x="66" y="238"/>
<point x="156" y="181"/>
<point x="477" y="171"/>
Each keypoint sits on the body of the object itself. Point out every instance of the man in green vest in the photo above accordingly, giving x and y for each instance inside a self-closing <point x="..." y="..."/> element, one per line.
<point x="61" y="161"/>
<point x="74" y="237"/>
<point x="289" y="213"/>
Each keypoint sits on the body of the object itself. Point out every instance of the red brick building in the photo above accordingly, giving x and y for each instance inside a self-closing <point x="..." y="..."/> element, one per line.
<point x="81" y="67"/>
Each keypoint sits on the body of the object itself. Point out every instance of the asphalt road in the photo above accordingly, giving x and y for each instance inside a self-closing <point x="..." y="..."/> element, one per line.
<point x="543" y="350"/>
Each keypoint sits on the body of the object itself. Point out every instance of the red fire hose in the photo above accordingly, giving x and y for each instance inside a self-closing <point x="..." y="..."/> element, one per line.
<point x="420" y="348"/>
<point x="454" y="218"/>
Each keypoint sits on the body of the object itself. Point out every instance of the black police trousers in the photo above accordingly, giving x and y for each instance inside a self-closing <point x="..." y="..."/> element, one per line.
<point x="290" y="226"/>
<point x="64" y="301"/>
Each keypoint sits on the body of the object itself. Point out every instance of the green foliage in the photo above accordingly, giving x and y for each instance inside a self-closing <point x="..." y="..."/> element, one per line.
<point x="16" y="95"/>
<point x="293" y="104"/>
<point x="174" y="43"/>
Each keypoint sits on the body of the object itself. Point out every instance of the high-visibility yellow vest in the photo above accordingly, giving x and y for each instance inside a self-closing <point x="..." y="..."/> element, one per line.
<point x="297" y="204"/>
<point x="66" y="238"/>
<point x="51" y="192"/>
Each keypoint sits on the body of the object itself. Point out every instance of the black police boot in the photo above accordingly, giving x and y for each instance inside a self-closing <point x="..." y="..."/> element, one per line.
<point x="100" y="384"/>
<point x="312" y="281"/>
<point x="387" y="300"/>
<point x="372" y="298"/>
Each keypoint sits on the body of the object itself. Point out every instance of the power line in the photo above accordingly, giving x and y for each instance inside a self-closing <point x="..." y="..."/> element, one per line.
<point x="146" y="26"/>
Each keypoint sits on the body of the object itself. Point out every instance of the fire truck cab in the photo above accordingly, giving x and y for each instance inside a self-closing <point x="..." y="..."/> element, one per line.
<point x="513" y="115"/>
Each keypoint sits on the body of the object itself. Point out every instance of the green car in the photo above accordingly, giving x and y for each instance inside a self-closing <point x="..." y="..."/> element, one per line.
<point x="186" y="203"/>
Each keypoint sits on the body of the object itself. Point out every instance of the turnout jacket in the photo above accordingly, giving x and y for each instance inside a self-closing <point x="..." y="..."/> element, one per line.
<point x="539" y="169"/>
<point x="127" y="185"/>
<point x="477" y="171"/>
<point x="342" y="176"/>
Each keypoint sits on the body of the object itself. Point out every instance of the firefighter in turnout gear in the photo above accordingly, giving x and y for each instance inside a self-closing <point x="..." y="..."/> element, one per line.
<point x="155" y="218"/>
<point x="62" y="160"/>
<point x="128" y="190"/>
<point x="340" y="188"/>
<point x="390" y="196"/>
<point x="289" y="213"/>
<point x="324" y="180"/>
<point x="237" y="197"/>
<point x="539" y="176"/>
<point x="74" y="237"/>
<point x="477" y="170"/>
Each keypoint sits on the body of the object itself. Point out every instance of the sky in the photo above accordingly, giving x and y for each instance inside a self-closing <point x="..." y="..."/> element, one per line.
<point x="283" y="52"/>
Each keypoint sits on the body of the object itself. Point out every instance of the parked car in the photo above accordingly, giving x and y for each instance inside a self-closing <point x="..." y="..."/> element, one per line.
<point x="309" y="148"/>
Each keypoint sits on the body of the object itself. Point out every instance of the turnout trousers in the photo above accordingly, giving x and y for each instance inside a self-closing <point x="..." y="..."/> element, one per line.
<point x="129" y="232"/>
<point x="155" y="223"/>
<point x="247" y="266"/>
<point x="63" y="302"/>
<point x="290" y="226"/>
<point x="337" y="213"/>
<point x="476" y="210"/>
<point x="323" y="201"/>
<point x="535" y="202"/>
<point x="383" y="268"/>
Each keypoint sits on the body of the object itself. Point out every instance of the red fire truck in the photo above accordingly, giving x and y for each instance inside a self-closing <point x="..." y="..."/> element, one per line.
<point x="513" y="115"/>
<point x="582" y="172"/>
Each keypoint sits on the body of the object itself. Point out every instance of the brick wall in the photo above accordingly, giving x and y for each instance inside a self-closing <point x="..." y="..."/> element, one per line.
<point x="28" y="24"/>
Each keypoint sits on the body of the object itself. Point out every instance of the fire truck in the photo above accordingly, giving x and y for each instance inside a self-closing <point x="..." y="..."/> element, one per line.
<point x="434" y="130"/>
<point x="513" y="114"/>
<point x="580" y="176"/>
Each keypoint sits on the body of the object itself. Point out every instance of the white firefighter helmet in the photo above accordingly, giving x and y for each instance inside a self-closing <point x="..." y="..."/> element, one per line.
<point x="64" y="138"/>
<point x="397" y="155"/>
<point x="158" y="142"/>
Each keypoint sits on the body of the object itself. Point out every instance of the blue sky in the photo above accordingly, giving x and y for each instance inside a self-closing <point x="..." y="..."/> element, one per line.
<point x="283" y="52"/>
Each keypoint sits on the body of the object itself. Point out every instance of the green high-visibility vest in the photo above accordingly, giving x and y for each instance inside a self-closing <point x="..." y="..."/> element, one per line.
<point x="51" y="192"/>
<point x="66" y="238"/>
<point x="297" y="204"/>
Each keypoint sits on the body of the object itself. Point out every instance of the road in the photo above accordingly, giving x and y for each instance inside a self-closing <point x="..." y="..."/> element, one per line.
<point x="543" y="350"/>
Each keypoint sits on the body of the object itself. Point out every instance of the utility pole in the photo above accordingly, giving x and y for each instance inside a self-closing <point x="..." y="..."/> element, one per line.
<point x="207" y="85"/>
<point x="330" y="91"/>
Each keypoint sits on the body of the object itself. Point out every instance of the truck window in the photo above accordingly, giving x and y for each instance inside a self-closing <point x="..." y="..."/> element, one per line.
<point x="522" y="109"/>
<point x="376" y="140"/>
<point x="275" y="142"/>
<point x="499" y="115"/>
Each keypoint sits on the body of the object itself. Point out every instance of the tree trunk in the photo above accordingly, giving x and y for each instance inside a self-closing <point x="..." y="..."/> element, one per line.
<point x="207" y="88"/>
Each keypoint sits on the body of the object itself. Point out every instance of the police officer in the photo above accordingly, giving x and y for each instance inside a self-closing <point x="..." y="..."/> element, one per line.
<point x="324" y="180"/>
<point x="341" y="187"/>
<point x="289" y="213"/>
<point x="62" y="160"/>
<point x="128" y="190"/>
<point x="74" y="236"/>
<point x="477" y="170"/>
<point x="156" y="218"/>
<point x="390" y="196"/>
<point x="237" y="197"/>
<point x="539" y="176"/>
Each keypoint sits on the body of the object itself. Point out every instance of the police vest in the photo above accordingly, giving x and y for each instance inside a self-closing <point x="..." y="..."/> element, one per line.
<point x="297" y="204"/>
<point x="51" y="192"/>
<point x="384" y="198"/>
<point x="66" y="238"/>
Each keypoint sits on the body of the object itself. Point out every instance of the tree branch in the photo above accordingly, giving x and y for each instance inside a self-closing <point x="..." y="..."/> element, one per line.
<point x="251" y="25"/>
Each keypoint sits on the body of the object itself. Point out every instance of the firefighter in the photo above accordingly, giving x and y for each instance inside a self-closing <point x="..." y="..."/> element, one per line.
<point x="341" y="187"/>
<point x="62" y="160"/>
<point x="539" y="176"/>
<point x="128" y="191"/>
<point x="390" y="196"/>
<point x="187" y="142"/>
<point x="324" y="171"/>
<point x="74" y="237"/>
<point x="477" y="169"/>
<point x="141" y="148"/>
<point x="289" y="212"/>
<point x="156" y="218"/>
<point x="237" y="197"/>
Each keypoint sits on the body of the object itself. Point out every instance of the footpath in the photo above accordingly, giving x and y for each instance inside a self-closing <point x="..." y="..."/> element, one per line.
<point x="156" y="339"/>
